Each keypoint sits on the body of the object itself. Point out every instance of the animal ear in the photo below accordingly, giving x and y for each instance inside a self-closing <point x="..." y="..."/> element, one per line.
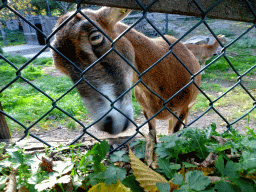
<point x="110" y="16"/>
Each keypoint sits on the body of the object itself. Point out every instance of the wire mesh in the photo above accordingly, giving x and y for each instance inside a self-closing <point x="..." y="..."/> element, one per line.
<point x="212" y="102"/>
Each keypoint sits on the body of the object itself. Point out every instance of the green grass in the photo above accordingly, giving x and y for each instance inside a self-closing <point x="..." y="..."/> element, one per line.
<point x="26" y="104"/>
<point x="226" y="32"/>
<point x="244" y="59"/>
<point x="13" y="38"/>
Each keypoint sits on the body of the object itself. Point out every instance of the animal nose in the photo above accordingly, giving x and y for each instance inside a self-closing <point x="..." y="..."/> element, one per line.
<point x="108" y="125"/>
<point x="111" y="127"/>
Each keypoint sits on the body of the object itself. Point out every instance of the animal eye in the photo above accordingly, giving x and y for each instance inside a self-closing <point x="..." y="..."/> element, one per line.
<point x="96" y="38"/>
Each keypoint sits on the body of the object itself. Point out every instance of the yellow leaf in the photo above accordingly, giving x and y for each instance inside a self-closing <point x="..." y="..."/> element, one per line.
<point x="101" y="187"/>
<point x="206" y="170"/>
<point x="144" y="175"/>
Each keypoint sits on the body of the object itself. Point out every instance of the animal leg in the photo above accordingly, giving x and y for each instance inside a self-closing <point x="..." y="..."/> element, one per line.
<point x="150" y="156"/>
<point x="151" y="127"/>
<point x="174" y="124"/>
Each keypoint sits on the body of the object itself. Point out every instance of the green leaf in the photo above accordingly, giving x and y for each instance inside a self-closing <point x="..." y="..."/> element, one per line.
<point x="3" y="181"/>
<point x="139" y="148"/>
<point x="95" y="178"/>
<point x="223" y="186"/>
<point x="163" y="152"/>
<point x="63" y="167"/>
<point x="113" y="173"/>
<point x="183" y="188"/>
<point x="249" y="143"/>
<point x="249" y="160"/>
<point x="163" y="187"/>
<point x="245" y="185"/>
<point x="177" y="179"/>
<point x="188" y="165"/>
<point x="77" y="180"/>
<point x="196" y="180"/>
<point x="133" y="184"/>
<point x="64" y="179"/>
<point x="231" y="170"/>
<point x="99" y="152"/>
<point x="119" y="156"/>
<point x="47" y="184"/>
<point x="219" y="164"/>
<point x="165" y="167"/>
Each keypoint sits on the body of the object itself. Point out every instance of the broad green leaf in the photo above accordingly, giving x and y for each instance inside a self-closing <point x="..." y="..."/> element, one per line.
<point x="99" y="152"/>
<point x="177" y="179"/>
<point x="64" y="179"/>
<point x="77" y="180"/>
<point x="3" y="181"/>
<point x="188" y="165"/>
<point x="133" y="184"/>
<point x="163" y="152"/>
<point x="183" y="188"/>
<point x="245" y="185"/>
<point x="139" y="148"/>
<point x="113" y="174"/>
<point x="48" y="184"/>
<point x="249" y="143"/>
<point x="175" y="166"/>
<point x="99" y="167"/>
<point x="231" y="170"/>
<point x="223" y="186"/>
<point x="196" y="180"/>
<point x="95" y="178"/>
<point x="163" y="187"/>
<point x="119" y="156"/>
<point x="164" y="166"/>
<point x="63" y="167"/>
<point x="249" y="160"/>
<point x="219" y="164"/>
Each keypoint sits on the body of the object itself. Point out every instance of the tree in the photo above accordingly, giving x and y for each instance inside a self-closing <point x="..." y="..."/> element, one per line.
<point x="23" y="7"/>
<point x="42" y="7"/>
<point x="64" y="7"/>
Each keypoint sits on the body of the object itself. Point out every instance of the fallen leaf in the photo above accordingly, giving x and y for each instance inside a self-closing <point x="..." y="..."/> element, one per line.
<point x="144" y="175"/>
<point x="117" y="187"/>
<point x="46" y="165"/>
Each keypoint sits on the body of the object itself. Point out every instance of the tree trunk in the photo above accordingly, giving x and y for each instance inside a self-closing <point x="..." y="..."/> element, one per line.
<point x="4" y="130"/>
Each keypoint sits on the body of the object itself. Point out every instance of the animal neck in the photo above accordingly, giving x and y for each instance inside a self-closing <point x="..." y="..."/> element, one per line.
<point x="142" y="45"/>
<point x="213" y="47"/>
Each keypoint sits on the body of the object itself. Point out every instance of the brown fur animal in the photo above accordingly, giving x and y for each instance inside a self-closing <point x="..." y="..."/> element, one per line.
<point x="108" y="71"/>
<point x="205" y="52"/>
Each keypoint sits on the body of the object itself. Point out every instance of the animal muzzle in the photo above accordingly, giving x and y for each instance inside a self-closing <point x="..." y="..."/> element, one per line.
<point x="116" y="121"/>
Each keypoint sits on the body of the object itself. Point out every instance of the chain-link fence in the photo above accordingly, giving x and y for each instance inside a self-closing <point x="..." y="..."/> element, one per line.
<point x="81" y="72"/>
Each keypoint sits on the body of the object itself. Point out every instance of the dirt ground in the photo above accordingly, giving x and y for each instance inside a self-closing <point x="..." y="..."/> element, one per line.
<point x="62" y="133"/>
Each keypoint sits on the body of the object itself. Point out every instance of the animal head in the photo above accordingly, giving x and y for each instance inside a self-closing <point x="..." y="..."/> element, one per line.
<point x="104" y="62"/>
<point x="222" y="38"/>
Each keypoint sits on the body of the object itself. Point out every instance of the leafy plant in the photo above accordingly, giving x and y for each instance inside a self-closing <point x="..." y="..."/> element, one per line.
<point x="191" y="160"/>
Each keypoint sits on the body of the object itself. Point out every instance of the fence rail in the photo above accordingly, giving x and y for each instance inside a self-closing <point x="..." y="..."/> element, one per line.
<point x="238" y="10"/>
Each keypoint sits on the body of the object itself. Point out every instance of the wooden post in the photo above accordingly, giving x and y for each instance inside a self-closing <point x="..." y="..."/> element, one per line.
<point x="4" y="130"/>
